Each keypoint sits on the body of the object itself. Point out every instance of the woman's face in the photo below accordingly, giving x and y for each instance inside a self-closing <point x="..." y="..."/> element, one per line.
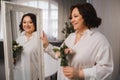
<point x="28" y="25"/>
<point x="77" y="20"/>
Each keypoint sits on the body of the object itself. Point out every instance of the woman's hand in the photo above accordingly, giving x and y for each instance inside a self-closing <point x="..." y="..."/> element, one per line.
<point x="71" y="73"/>
<point x="45" y="40"/>
<point x="68" y="51"/>
<point x="57" y="54"/>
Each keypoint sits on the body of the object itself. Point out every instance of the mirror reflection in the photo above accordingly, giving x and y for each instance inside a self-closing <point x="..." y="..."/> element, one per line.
<point x="25" y="49"/>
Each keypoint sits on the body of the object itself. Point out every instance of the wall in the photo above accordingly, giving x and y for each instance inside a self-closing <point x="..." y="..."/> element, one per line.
<point x="109" y="11"/>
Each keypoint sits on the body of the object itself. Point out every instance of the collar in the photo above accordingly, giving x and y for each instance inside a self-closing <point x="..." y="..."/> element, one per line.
<point x="90" y="31"/>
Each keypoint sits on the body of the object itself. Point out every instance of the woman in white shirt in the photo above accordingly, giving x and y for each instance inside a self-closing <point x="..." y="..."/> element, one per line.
<point x="26" y="68"/>
<point x="91" y="54"/>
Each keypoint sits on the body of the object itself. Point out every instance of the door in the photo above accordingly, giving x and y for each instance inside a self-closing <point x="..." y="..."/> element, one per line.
<point x="11" y="15"/>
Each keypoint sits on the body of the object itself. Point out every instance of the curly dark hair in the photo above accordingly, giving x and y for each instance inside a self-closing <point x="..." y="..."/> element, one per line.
<point x="33" y="18"/>
<point x="88" y="13"/>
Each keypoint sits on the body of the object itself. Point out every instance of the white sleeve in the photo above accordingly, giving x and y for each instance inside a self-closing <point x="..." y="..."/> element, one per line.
<point x="50" y="51"/>
<point x="103" y="67"/>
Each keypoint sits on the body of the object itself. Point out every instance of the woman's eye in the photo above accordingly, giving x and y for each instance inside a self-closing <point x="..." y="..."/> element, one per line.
<point x="24" y="22"/>
<point x="75" y="16"/>
<point x="30" y="22"/>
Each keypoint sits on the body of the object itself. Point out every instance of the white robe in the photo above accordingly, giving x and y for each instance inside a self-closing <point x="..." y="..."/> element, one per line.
<point x="26" y="68"/>
<point x="92" y="53"/>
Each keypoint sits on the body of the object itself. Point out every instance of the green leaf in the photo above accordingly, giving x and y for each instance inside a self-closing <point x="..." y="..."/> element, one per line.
<point x="14" y="43"/>
<point x="56" y="49"/>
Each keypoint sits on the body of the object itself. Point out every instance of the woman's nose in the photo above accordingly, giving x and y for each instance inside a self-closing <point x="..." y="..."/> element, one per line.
<point x="72" y="20"/>
<point x="27" y="23"/>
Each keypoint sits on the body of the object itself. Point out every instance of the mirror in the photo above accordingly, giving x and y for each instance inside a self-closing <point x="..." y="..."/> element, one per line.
<point x="11" y="17"/>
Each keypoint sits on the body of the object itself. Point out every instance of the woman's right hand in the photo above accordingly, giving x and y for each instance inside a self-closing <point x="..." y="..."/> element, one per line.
<point x="45" y="40"/>
<point x="57" y="54"/>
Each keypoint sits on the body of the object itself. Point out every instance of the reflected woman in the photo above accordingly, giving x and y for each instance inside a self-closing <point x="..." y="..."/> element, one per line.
<point x="26" y="68"/>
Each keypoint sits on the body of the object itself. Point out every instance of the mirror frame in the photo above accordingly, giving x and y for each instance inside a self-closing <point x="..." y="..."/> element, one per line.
<point x="6" y="8"/>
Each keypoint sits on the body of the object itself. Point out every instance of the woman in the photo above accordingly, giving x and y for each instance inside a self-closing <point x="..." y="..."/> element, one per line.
<point x="26" y="68"/>
<point x="91" y="54"/>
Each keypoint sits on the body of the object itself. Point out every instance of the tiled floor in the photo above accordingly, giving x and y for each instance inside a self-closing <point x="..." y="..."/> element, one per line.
<point x="2" y="70"/>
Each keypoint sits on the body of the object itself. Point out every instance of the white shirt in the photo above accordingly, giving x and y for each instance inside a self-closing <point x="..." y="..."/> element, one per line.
<point x="26" y="68"/>
<point x="92" y="53"/>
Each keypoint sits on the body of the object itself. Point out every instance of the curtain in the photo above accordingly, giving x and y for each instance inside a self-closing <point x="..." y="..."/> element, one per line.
<point x="1" y="36"/>
<point x="63" y="15"/>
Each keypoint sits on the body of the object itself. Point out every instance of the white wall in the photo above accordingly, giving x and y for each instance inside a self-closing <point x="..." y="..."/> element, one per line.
<point x="109" y="11"/>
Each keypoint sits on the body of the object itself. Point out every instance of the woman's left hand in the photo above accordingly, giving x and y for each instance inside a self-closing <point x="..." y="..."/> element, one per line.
<point x="44" y="39"/>
<point x="69" y="72"/>
<point x="68" y="51"/>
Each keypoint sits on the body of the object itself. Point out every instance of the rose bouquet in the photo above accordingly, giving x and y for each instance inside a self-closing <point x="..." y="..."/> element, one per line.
<point x="63" y="56"/>
<point x="17" y="50"/>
